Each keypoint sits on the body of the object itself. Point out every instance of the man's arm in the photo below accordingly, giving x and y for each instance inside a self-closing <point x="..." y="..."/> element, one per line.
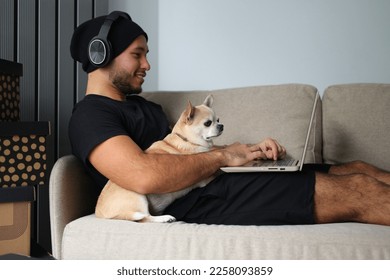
<point x="124" y="163"/>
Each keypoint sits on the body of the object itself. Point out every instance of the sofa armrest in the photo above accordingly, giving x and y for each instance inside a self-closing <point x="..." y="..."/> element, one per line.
<point x="72" y="194"/>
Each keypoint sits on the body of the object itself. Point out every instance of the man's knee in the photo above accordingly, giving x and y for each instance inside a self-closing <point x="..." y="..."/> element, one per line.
<point x="361" y="180"/>
<point x="359" y="165"/>
<point x="346" y="181"/>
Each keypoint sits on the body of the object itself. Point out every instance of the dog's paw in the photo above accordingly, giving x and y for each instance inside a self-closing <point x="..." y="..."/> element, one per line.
<point x="160" y="219"/>
<point x="165" y="219"/>
<point x="170" y="219"/>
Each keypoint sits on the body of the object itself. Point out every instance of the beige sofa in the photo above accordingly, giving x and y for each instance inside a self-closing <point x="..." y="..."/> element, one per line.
<point x="352" y="122"/>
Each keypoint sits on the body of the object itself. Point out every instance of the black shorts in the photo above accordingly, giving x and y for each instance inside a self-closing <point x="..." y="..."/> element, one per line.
<point x="264" y="198"/>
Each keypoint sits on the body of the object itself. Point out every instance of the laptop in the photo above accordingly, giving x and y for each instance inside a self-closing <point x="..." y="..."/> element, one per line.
<point x="283" y="165"/>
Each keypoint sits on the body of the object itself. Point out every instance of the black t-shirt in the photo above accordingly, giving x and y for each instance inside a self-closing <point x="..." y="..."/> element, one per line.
<point x="97" y="118"/>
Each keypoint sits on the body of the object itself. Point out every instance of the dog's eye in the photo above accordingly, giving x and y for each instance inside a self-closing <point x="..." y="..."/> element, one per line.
<point x="218" y="120"/>
<point x="208" y="123"/>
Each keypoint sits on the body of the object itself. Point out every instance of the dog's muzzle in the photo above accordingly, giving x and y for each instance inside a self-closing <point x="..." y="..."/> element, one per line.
<point x="220" y="127"/>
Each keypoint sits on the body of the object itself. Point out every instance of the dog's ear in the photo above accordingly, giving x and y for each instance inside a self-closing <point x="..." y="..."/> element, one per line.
<point x="189" y="113"/>
<point x="208" y="101"/>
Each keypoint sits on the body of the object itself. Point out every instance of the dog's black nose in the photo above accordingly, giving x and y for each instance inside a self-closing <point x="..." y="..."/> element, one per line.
<point x="220" y="127"/>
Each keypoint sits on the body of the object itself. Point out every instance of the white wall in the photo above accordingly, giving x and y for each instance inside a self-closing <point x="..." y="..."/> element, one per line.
<point x="210" y="44"/>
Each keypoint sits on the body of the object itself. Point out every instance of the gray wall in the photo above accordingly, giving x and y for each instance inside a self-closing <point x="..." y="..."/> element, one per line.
<point x="211" y="44"/>
<point x="37" y="33"/>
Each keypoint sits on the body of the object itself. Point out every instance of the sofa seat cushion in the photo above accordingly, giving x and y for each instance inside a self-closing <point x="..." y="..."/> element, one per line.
<point x="93" y="238"/>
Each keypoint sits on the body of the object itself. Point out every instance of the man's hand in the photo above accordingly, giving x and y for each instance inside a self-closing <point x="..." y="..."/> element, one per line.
<point x="239" y="154"/>
<point x="271" y="149"/>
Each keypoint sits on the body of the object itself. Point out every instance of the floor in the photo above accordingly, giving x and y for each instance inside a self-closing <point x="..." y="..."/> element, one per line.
<point x="40" y="253"/>
<point x="37" y="253"/>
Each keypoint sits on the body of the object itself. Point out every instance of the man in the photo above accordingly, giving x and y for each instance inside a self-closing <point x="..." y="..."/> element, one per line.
<point x="112" y="126"/>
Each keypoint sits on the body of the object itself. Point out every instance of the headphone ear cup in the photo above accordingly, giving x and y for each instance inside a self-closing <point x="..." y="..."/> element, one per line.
<point x="99" y="48"/>
<point x="99" y="52"/>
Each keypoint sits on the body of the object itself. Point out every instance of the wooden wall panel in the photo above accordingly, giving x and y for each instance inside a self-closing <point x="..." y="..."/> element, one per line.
<point x="84" y="12"/>
<point x="65" y="75"/>
<point x="26" y="54"/>
<point x="47" y="64"/>
<point x="100" y="8"/>
<point x="7" y="13"/>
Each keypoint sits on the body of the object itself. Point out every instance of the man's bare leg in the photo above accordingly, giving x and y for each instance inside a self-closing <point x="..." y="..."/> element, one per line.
<point x="351" y="198"/>
<point x="360" y="167"/>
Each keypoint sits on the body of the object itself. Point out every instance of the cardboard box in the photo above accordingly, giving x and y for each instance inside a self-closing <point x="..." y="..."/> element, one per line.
<point x="22" y="167"/>
<point x="10" y="73"/>
<point x="15" y="219"/>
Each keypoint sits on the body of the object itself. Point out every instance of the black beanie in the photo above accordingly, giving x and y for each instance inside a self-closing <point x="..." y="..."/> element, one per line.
<point x="122" y="33"/>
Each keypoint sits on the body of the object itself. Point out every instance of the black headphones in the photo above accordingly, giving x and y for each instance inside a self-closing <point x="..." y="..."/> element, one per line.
<point x="99" y="48"/>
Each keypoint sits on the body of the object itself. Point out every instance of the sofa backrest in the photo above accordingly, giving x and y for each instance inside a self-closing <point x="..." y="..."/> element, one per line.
<point x="252" y="113"/>
<point x="356" y="124"/>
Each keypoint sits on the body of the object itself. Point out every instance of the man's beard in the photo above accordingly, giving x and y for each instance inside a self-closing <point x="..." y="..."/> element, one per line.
<point x="121" y="81"/>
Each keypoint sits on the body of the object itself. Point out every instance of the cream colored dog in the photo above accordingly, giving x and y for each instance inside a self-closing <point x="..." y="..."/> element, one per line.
<point x="192" y="133"/>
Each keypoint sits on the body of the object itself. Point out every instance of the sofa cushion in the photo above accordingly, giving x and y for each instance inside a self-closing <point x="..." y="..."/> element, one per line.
<point x="93" y="238"/>
<point x="250" y="114"/>
<point x="356" y="124"/>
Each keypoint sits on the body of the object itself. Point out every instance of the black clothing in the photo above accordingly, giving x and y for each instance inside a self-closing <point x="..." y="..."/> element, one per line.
<point x="264" y="198"/>
<point x="97" y="118"/>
